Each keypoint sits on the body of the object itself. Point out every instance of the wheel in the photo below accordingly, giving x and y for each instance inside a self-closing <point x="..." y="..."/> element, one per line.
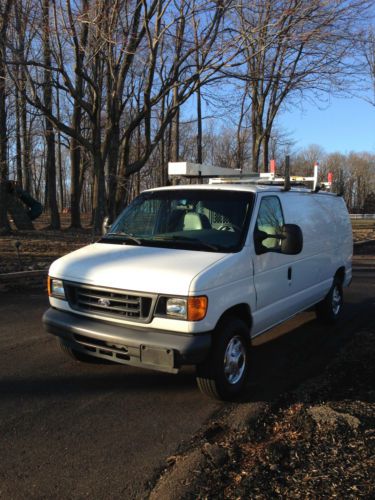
<point x="329" y="309"/>
<point x="223" y="374"/>
<point x="76" y="355"/>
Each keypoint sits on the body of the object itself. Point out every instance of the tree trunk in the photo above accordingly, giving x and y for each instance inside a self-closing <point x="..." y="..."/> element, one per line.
<point x="75" y="195"/>
<point x="25" y="177"/>
<point x="199" y="127"/>
<point x="99" y="202"/>
<point x="256" y="130"/>
<point x="163" y="159"/>
<point x="256" y="147"/>
<point x="75" y="147"/>
<point x="4" y="225"/>
<point x="266" y="143"/>
<point x="49" y="131"/>
<point x="113" y="158"/>
<point x="59" y="156"/>
<point x="26" y="144"/>
<point x="175" y="139"/>
<point x="122" y="192"/>
<point x="18" y="138"/>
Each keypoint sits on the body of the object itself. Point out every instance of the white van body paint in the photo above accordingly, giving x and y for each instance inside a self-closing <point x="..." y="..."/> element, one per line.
<point x="273" y="286"/>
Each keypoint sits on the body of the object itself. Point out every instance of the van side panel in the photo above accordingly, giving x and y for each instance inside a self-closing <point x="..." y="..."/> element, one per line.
<point x="327" y="246"/>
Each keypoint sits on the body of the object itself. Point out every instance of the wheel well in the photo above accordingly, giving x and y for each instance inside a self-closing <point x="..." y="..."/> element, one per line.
<point x="340" y="274"/>
<point x="241" y="311"/>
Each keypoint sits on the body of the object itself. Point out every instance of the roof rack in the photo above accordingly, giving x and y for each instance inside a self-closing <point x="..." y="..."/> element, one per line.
<point x="220" y="175"/>
<point x="263" y="179"/>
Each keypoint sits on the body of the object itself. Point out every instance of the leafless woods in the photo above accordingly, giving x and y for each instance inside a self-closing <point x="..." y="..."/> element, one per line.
<point x="94" y="94"/>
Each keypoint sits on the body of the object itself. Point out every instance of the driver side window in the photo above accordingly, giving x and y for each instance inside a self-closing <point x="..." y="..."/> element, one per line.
<point x="270" y="220"/>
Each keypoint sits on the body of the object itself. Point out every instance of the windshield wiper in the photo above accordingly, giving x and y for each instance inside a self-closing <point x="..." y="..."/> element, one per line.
<point x="189" y="240"/>
<point x="122" y="235"/>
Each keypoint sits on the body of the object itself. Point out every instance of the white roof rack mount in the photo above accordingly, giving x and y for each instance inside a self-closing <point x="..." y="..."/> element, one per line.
<point x="188" y="169"/>
<point x="220" y="175"/>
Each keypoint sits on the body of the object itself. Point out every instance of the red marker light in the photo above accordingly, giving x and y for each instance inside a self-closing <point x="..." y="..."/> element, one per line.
<point x="273" y="166"/>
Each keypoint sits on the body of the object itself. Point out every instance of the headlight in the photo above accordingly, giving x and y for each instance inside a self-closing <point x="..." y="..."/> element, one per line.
<point x="176" y="308"/>
<point x="190" y="308"/>
<point x="56" y="288"/>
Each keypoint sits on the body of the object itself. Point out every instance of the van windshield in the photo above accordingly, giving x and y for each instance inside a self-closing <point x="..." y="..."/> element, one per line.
<point x="206" y="220"/>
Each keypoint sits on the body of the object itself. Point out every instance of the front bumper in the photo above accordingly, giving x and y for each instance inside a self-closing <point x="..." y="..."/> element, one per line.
<point x="154" y="349"/>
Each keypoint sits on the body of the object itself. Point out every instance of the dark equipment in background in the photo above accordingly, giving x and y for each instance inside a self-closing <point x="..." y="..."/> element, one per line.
<point x="21" y="206"/>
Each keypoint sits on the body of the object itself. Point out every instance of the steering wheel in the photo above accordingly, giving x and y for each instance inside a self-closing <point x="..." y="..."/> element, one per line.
<point x="229" y="227"/>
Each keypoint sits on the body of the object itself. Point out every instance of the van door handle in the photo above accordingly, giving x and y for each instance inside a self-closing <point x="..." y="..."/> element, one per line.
<point x="289" y="273"/>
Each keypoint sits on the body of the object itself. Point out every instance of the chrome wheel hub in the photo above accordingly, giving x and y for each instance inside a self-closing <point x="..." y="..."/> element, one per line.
<point x="336" y="301"/>
<point x="234" y="360"/>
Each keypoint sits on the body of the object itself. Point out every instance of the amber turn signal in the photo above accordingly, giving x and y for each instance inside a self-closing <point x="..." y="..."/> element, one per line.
<point x="197" y="308"/>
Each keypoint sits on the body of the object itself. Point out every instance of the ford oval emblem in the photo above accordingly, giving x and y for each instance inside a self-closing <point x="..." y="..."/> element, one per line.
<point x="104" y="302"/>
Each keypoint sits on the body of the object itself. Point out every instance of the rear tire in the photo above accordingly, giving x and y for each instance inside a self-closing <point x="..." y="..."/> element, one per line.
<point x="329" y="309"/>
<point x="224" y="373"/>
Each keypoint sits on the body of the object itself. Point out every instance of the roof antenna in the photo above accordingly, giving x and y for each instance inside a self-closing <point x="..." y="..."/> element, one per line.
<point x="287" y="174"/>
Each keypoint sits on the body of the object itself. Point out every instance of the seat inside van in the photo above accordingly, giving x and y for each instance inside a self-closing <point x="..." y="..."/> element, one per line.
<point x="181" y="220"/>
<point x="271" y="243"/>
<point x="194" y="221"/>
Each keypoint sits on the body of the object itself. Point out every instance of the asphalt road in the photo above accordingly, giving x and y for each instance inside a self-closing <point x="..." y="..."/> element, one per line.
<point x="71" y="430"/>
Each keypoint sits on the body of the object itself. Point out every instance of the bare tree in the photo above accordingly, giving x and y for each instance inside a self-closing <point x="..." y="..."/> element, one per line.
<point x="22" y="17"/>
<point x="362" y="177"/>
<point x="49" y="131"/>
<point x="303" y="163"/>
<point x="292" y="47"/>
<point x="76" y="89"/>
<point x="103" y="51"/>
<point x="177" y="75"/>
<point x="5" y="9"/>
<point x="368" y="51"/>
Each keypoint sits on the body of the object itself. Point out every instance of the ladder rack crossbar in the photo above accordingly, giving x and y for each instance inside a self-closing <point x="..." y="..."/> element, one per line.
<point x="220" y="175"/>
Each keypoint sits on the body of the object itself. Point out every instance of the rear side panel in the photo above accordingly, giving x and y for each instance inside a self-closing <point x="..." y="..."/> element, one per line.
<point x="327" y="233"/>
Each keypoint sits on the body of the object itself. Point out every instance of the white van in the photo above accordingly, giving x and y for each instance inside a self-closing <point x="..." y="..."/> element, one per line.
<point x="190" y="274"/>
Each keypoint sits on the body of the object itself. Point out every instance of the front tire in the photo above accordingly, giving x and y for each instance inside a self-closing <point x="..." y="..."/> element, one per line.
<point x="329" y="309"/>
<point x="224" y="373"/>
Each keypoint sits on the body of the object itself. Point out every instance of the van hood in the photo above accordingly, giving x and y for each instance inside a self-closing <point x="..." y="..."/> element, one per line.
<point x="134" y="268"/>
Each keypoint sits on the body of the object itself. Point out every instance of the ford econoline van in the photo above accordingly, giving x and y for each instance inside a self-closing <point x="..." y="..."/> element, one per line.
<point x="188" y="275"/>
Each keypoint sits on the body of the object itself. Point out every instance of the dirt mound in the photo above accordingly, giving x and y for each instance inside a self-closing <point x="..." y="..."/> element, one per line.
<point x="315" y="442"/>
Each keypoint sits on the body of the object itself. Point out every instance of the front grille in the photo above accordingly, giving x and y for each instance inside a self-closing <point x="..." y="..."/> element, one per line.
<point x="109" y="303"/>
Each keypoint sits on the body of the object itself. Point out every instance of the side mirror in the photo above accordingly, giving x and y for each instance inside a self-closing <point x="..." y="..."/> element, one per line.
<point x="106" y="225"/>
<point x="292" y="239"/>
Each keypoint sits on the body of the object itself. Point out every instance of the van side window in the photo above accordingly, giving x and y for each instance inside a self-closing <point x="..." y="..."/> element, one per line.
<point x="270" y="220"/>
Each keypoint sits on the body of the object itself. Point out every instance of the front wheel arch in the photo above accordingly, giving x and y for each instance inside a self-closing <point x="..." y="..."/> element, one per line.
<point x="239" y="311"/>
